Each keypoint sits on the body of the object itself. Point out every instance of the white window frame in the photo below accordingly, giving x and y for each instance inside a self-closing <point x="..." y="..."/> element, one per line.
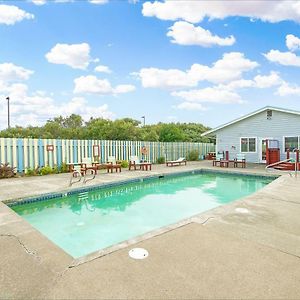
<point x="248" y="137"/>
<point x="289" y="136"/>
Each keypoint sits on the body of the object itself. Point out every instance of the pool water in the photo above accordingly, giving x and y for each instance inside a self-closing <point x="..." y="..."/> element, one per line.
<point x="89" y="221"/>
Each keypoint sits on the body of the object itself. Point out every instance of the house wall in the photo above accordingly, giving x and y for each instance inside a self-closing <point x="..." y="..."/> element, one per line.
<point x="281" y="124"/>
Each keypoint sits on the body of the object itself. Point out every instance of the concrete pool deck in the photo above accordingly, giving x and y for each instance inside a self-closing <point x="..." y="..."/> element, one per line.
<point x="247" y="249"/>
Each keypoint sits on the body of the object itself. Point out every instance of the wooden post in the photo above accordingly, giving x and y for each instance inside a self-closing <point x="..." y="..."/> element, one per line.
<point x="288" y="154"/>
<point x="267" y="153"/>
<point x="227" y="155"/>
<point x="297" y="156"/>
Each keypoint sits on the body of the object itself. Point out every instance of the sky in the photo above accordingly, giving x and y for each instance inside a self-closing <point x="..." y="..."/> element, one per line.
<point x="171" y="61"/>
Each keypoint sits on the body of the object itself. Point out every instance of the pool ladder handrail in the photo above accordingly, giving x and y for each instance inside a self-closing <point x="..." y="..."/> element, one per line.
<point x="77" y="172"/>
<point x="93" y="173"/>
<point x="296" y="162"/>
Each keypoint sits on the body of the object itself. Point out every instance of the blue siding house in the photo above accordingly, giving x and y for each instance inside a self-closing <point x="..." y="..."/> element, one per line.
<point x="249" y="133"/>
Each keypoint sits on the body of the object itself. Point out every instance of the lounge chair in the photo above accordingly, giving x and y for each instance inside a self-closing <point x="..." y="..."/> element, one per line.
<point x="86" y="164"/>
<point x="178" y="162"/>
<point x="240" y="159"/>
<point x="113" y="164"/>
<point x="219" y="159"/>
<point x="135" y="162"/>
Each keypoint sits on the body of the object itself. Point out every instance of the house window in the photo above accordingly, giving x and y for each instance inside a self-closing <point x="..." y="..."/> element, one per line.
<point x="291" y="143"/>
<point x="248" y="144"/>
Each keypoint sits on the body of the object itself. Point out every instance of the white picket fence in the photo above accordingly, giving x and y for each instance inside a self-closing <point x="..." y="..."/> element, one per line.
<point x="33" y="153"/>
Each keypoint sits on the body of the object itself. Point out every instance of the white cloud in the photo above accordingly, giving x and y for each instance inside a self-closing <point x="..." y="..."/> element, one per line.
<point x="184" y="33"/>
<point x="171" y="78"/>
<point x="283" y="58"/>
<point x="266" y="81"/>
<point x="196" y="11"/>
<point x="102" y="69"/>
<point x="124" y="88"/>
<point x="42" y="2"/>
<point x="259" y="81"/>
<point x="63" y="1"/>
<point x="76" y="56"/>
<point x="210" y="94"/>
<point x="191" y="106"/>
<point x="230" y="67"/>
<point x="92" y="85"/>
<point x="11" y="14"/>
<point x="11" y="72"/>
<point x="79" y="105"/>
<point x="292" y="42"/>
<point x="39" y="2"/>
<point x="98" y="1"/>
<point x="288" y="90"/>
<point x="239" y="84"/>
<point x="29" y="109"/>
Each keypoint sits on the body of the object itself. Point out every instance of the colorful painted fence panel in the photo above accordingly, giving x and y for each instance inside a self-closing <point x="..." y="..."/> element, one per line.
<point x="33" y="153"/>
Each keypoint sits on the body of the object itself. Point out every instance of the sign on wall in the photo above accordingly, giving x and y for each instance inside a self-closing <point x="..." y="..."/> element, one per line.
<point x="50" y="148"/>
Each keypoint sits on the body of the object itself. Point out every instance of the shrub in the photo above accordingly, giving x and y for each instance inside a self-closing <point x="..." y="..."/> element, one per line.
<point x="46" y="170"/>
<point x="124" y="164"/>
<point x="160" y="160"/>
<point x="31" y="172"/>
<point x="56" y="170"/>
<point x="6" y="171"/>
<point x="193" y="155"/>
<point x="64" y="168"/>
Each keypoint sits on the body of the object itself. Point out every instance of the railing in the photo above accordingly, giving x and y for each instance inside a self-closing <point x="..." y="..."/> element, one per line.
<point x="268" y="167"/>
<point x="296" y="161"/>
<point x="76" y="174"/>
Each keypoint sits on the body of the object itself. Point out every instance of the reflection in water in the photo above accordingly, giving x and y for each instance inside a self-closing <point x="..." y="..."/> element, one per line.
<point x="88" y="221"/>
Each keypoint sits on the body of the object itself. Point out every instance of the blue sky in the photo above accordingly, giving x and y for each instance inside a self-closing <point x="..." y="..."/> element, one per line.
<point x="199" y="61"/>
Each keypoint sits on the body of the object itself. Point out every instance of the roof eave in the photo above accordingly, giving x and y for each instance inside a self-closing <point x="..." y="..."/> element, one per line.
<point x="248" y="116"/>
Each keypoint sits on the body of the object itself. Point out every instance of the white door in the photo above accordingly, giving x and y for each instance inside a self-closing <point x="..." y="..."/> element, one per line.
<point x="263" y="149"/>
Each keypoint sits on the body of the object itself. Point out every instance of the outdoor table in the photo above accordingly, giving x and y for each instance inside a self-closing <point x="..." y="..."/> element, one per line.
<point x="145" y="166"/>
<point x="111" y="168"/>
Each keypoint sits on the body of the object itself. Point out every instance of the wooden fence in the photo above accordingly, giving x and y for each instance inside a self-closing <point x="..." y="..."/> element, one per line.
<point x="33" y="153"/>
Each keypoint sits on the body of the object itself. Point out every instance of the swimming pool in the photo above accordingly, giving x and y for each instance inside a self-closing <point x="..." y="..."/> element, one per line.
<point x="88" y="221"/>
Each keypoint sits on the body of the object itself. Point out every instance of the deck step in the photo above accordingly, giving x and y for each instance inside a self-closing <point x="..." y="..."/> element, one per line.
<point x="285" y="166"/>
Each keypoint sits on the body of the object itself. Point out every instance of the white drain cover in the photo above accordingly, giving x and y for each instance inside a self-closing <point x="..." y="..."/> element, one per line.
<point x="138" y="253"/>
<point x="242" y="210"/>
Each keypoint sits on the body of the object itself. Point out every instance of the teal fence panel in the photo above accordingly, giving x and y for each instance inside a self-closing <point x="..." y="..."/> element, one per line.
<point x="33" y="153"/>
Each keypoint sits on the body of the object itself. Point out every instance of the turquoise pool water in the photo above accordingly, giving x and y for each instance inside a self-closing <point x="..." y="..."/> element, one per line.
<point x="86" y="222"/>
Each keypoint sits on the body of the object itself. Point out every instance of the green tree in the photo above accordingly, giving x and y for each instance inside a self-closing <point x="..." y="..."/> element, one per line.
<point x="73" y="127"/>
<point x="170" y="133"/>
<point x="149" y="133"/>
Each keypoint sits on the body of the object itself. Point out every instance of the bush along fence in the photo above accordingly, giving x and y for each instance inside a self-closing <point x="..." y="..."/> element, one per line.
<point x="33" y="153"/>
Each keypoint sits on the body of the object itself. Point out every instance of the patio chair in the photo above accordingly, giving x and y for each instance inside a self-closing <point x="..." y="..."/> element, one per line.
<point x="113" y="164"/>
<point x="178" y="162"/>
<point x="240" y="159"/>
<point x="86" y="164"/>
<point x="218" y="160"/>
<point x="135" y="162"/>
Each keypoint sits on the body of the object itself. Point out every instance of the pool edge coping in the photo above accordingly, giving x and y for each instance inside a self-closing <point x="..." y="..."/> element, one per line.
<point x="67" y="192"/>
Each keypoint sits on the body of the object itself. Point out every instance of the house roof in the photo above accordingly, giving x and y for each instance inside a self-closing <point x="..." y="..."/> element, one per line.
<point x="290" y="111"/>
